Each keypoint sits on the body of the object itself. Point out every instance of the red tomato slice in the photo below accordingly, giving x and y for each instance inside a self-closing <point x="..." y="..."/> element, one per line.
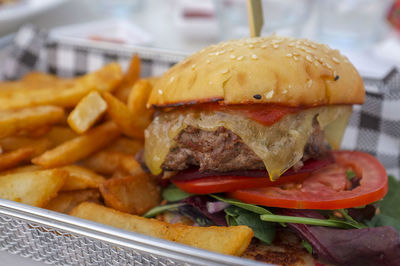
<point x="196" y="182"/>
<point x="325" y="189"/>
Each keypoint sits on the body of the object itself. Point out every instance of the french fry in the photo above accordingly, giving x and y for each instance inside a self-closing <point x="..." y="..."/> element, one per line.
<point x="131" y="194"/>
<point x="66" y="201"/>
<point x="79" y="147"/>
<point x="12" y="122"/>
<point x="105" y="79"/>
<point x="13" y="158"/>
<point x="81" y="178"/>
<point x="137" y="103"/>
<point x="38" y="145"/>
<point x="87" y="112"/>
<point x="22" y="169"/>
<point x="123" y="117"/>
<point x="231" y="240"/>
<point x="58" y="135"/>
<point x="33" y="188"/>
<point x="130" y="77"/>
<point x="108" y="162"/>
<point x="125" y="145"/>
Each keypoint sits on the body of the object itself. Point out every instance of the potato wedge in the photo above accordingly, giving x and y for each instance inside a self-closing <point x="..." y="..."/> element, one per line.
<point x="12" y="122"/>
<point x="123" y="117"/>
<point x="13" y="158"/>
<point x="231" y="240"/>
<point x="81" y="178"/>
<point x="105" y="79"/>
<point x="66" y="201"/>
<point x="132" y="194"/>
<point x="58" y="135"/>
<point x="88" y="111"/>
<point x="130" y="77"/>
<point x="108" y="162"/>
<point x="33" y="188"/>
<point x="79" y="147"/>
<point x="137" y="103"/>
<point x="125" y="145"/>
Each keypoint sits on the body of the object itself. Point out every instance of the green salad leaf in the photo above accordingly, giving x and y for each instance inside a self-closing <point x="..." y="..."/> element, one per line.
<point x="159" y="209"/>
<point x="173" y="193"/>
<point x="246" y="206"/>
<point x="390" y="204"/>
<point x="264" y="231"/>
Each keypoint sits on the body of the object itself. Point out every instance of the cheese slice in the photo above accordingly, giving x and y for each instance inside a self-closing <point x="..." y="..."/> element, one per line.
<point x="279" y="146"/>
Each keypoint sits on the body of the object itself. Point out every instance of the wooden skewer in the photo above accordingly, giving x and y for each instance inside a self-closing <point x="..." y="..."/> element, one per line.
<point x="255" y="14"/>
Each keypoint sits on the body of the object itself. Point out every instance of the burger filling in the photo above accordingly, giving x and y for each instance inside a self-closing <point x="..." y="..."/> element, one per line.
<point x="228" y="140"/>
<point x="222" y="150"/>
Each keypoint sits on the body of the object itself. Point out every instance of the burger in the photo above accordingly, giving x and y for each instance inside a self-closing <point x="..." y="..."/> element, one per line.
<point x="252" y="128"/>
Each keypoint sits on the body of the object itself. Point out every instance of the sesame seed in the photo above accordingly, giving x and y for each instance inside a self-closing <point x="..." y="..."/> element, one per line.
<point x="239" y="58"/>
<point x="309" y="59"/>
<point x="313" y="46"/>
<point x="269" y="94"/>
<point x="334" y="59"/>
<point x="263" y="46"/>
<point x="171" y="79"/>
<point x="296" y="58"/>
<point x="315" y="63"/>
<point x="257" y="96"/>
<point x="291" y="44"/>
<point x="275" y="46"/>
<point x="160" y="92"/>
<point x="296" y="53"/>
<point x="253" y="56"/>
<point x="289" y="55"/>
<point x="284" y="91"/>
<point x="224" y="71"/>
<point x="328" y="66"/>
<point x="232" y="56"/>
<point x="193" y="66"/>
<point x="251" y="46"/>
<point x="208" y="61"/>
<point x="309" y="83"/>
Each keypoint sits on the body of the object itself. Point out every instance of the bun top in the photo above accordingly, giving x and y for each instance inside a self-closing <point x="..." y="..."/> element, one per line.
<point x="286" y="71"/>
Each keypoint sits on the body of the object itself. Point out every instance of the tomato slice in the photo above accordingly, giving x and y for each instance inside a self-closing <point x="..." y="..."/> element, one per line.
<point x="196" y="182"/>
<point x="326" y="188"/>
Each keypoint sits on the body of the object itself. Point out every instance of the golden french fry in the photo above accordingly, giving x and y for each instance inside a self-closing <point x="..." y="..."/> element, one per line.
<point x="39" y="145"/>
<point x="33" y="188"/>
<point x="79" y="147"/>
<point x="125" y="145"/>
<point x="12" y="122"/>
<point x="105" y="79"/>
<point x="66" y="201"/>
<point x="231" y="240"/>
<point x="137" y="103"/>
<point x="10" y="85"/>
<point x="58" y="135"/>
<point x="81" y="178"/>
<point x="121" y="115"/>
<point x="130" y="77"/>
<point x="87" y="112"/>
<point x="153" y="80"/>
<point x="108" y="162"/>
<point x="35" y="77"/>
<point x="13" y="158"/>
<point x="22" y="169"/>
<point x="131" y="194"/>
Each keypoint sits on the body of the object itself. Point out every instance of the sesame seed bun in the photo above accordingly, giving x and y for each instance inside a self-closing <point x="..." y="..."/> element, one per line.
<point x="287" y="71"/>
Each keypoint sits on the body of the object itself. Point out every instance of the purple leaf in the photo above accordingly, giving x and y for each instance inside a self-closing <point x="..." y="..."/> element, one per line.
<point x="366" y="246"/>
<point x="200" y="203"/>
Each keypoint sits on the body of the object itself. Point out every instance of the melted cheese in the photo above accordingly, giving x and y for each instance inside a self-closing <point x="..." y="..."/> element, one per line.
<point x="279" y="146"/>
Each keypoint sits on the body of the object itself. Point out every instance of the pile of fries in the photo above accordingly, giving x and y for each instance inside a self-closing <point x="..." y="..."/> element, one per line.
<point x="69" y="145"/>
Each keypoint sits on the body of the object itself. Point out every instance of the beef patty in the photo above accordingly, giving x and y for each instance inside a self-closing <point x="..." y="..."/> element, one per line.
<point x="222" y="150"/>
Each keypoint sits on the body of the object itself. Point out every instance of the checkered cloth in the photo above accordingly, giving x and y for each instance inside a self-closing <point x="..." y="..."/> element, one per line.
<point x="374" y="127"/>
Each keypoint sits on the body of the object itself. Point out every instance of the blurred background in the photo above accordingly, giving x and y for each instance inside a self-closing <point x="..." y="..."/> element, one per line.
<point x="367" y="31"/>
